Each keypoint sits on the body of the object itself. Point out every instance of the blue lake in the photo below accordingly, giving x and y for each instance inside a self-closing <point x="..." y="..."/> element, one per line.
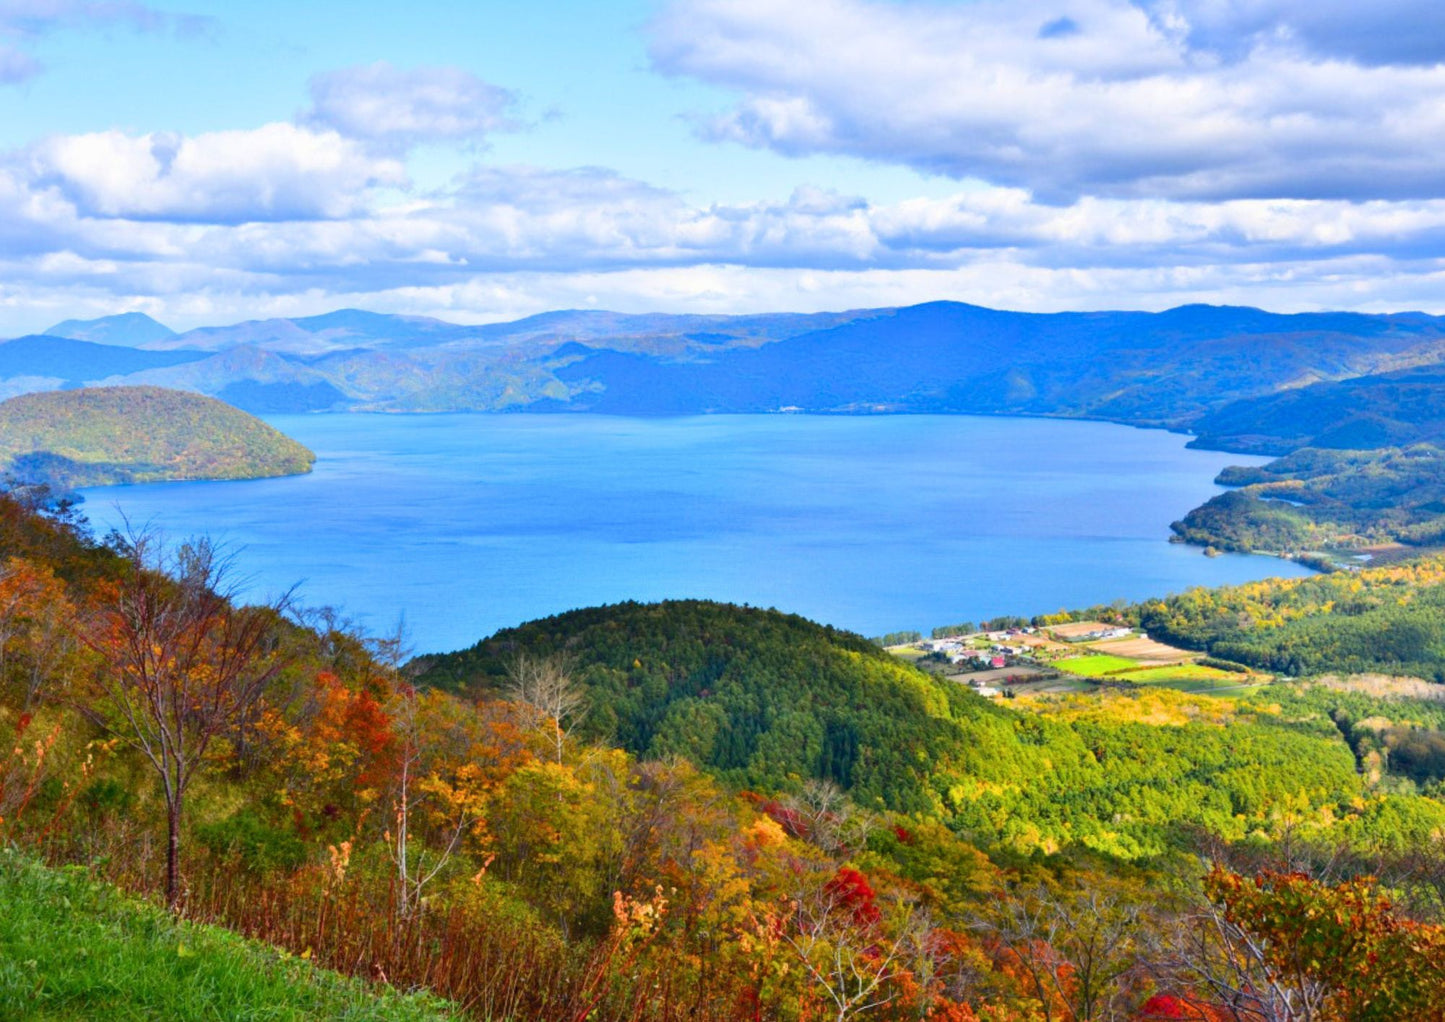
<point x="469" y="523"/>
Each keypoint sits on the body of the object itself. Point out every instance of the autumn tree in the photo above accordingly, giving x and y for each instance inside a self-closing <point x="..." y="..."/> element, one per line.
<point x="183" y="665"/>
<point x="434" y="791"/>
<point x="852" y="952"/>
<point x="1074" y="950"/>
<point x="545" y="687"/>
<point x="1323" y="952"/>
<point x="37" y="641"/>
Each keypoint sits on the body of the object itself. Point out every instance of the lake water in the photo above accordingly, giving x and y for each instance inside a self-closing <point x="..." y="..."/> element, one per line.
<point x="469" y="523"/>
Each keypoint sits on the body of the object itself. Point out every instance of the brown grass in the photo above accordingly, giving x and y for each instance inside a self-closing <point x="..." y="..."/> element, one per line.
<point x="1157" y="653"/>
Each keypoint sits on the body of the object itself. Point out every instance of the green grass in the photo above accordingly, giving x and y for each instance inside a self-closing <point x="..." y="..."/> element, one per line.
<point x="73" y="949"/>
<point x="1095" y="666"/>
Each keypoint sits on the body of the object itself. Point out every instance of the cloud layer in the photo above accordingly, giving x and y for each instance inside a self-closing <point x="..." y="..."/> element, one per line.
<point x="1184" y="99"/>
<point x="282" y="215"/>
<point x="399" y="108"/>
<point x="277" y="172"/>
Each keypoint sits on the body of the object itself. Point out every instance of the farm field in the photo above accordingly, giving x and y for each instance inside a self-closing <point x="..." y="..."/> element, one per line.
<point x="1183" y="677"/>
<point x="1039" y="644"/>
<point x="907" y="651"/>
<point x="1096" y="666"/>
<point x="997" y="674"/>
<point x="1183" y="672"/>
<point x="1143" y="648"/>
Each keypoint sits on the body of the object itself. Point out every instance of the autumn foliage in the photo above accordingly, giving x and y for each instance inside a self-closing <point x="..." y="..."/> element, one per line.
<point x="285" y="776"/>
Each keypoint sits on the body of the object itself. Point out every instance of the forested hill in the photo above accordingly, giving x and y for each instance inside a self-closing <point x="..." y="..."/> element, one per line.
<point x="1362" y="413"/>
<point x="106" y="435"/>
<point x="755" y="695"/>
<point x="767" y="701"/>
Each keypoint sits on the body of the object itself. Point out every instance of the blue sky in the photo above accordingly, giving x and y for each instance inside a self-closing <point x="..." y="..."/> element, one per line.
<point x="209" y="162"/>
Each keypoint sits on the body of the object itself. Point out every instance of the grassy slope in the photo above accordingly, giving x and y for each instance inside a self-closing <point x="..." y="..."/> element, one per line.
<point x="106" y="435"/>
<point x="73" y="949"/>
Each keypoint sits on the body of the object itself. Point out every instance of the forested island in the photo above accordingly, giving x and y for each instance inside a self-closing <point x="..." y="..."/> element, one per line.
<point x="693" y="810"/>
<point x="103" y="436"/>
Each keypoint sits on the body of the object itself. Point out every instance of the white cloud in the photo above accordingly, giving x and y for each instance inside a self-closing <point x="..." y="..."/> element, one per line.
<point x="399" y="108"/>
<point x="1132" y="100"/>
<point x="275" y="172"/>
<point x="284" y="217"/>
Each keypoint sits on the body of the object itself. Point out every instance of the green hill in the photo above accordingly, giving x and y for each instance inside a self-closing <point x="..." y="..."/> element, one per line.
<point x="766" y="701"/>
<point x="1322" y="499"/>
<point x="107" y="435"/>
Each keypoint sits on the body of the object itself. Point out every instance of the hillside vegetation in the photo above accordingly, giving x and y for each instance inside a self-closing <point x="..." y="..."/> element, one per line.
<point x="1362" y="465"/>
<point x="687" y="811"/>
<point x="1388" y="620"/>
<point x="767" y="701"/>
<point x="107" y="435"/>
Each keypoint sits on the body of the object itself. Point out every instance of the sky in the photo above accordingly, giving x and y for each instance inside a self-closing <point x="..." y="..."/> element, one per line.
<point x="211" y="162"/>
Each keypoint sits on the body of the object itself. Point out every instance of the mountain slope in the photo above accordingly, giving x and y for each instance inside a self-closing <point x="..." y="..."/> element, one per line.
<point x="104" y="435"/>
<point x="1362" y="413"/>
<point x="81" y="361"/>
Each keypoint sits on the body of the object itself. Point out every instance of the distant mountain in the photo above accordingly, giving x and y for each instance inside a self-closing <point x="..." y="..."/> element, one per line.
<point x="661" y="333"/>
<point x="258" y="381"/>
<point x="1165" y="369"/>
<point x="315" y="335"/>
<point x="81" y="361"/>
<point x="348" y="329"/>
<point x="1172" y="369"/>
<point x="129" y="330"/>
<point x="104" y="435"/>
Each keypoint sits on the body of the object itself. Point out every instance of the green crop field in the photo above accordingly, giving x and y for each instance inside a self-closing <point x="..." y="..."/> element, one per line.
<point x="1095" y="666"/>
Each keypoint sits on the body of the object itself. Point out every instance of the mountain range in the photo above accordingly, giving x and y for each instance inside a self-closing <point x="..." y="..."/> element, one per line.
<point x="1198" y="368"/>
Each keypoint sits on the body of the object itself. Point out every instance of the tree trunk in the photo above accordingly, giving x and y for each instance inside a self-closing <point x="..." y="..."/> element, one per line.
<point x="173" y="853"/>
